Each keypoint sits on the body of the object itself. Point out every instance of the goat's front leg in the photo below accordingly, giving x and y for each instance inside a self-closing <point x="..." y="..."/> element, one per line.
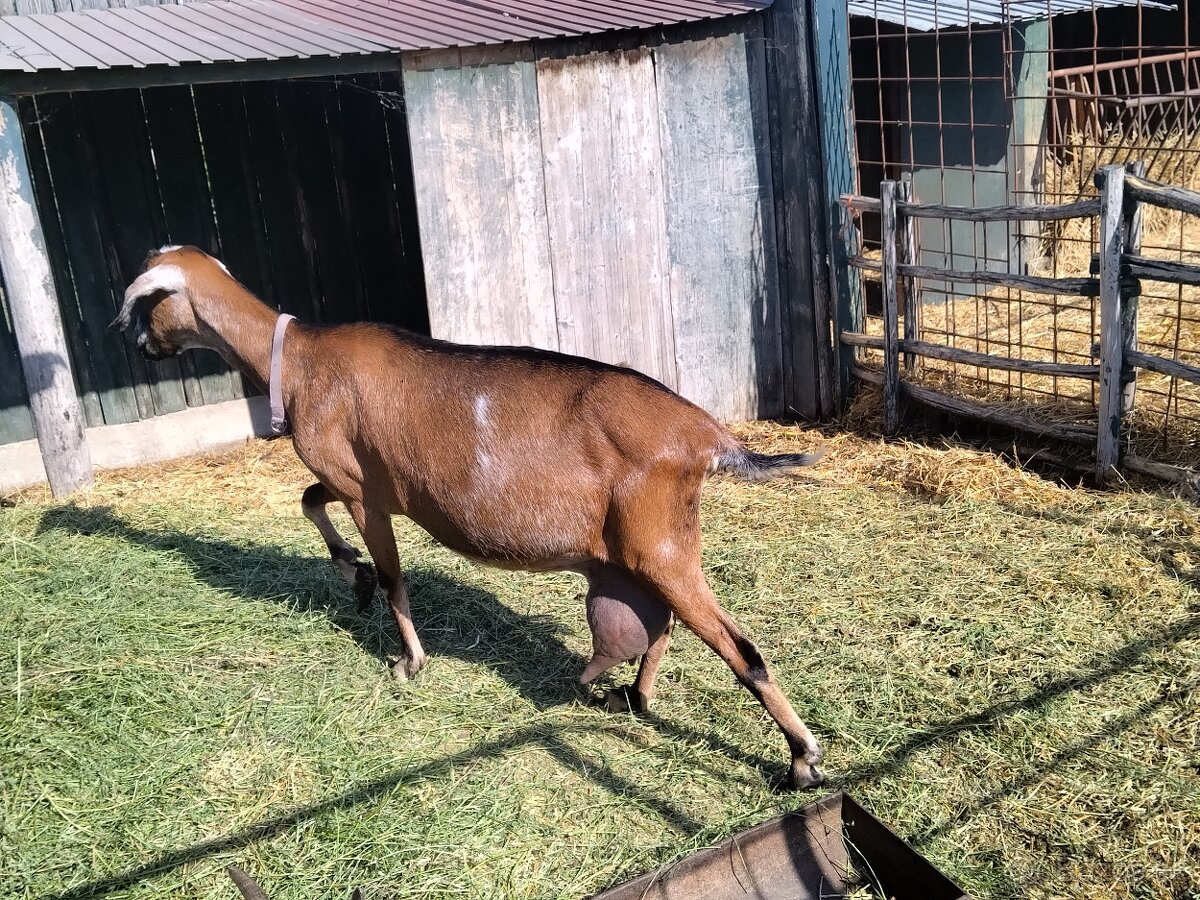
<point x="359" y="575"/>
<point x="376" y="529"/>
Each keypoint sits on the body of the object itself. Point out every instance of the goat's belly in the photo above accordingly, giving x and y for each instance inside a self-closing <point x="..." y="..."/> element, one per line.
<point x="528" y="538"/>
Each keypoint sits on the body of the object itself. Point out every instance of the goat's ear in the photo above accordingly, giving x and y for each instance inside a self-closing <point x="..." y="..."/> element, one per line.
<point x="246" y="885"/>
<point x="155" y="280"/>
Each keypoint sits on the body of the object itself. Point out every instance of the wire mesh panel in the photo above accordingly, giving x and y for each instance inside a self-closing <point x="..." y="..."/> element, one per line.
<point x="1019" y="102"/>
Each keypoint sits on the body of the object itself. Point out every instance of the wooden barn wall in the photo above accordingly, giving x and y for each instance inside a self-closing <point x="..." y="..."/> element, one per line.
<point x="303" y="188"/>
<point x="641" y="174"/>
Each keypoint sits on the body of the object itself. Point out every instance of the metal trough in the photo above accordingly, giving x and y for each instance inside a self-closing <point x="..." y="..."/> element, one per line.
<point x="819" y="852"/>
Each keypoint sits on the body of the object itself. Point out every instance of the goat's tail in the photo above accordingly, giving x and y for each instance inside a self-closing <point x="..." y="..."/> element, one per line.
<point x="745" y="463"/>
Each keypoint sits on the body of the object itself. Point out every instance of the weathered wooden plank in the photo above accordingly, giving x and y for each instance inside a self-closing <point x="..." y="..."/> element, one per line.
<point x="1051" y="212"/>
<point x="1075" y="434"/>
<point x="1083" y="287"/>
<point x="16" y="421"/>
<point x="906" y="255"/>
<point x="183" y="191"/>
<point x="129" y="214"/>
<point x="604" y="209"/>
<point x="972" y="358"/>
<point x="1163" y="366"/>
<point x="788" y="67"/>
<point x="1132" y="227"/>
<point x="830" y="26"/>
<point x="411" y="309"/>
<point x="1168" y="195"/>
<point x="306" y="137"/>
<point x="37" y="324"/>
<point x="292" y="283"/>
<point x="72" y="163"/>
<point x="82" y="363"/>
<point x="481" y="201"/>
<point x="720" y="230"/>
<point x="340" y="216"/>
<point x="1160" y="270"/>
<point x="1108" y="440"/>
<point x="891" y="324"/>
<point x="369" y="202"/>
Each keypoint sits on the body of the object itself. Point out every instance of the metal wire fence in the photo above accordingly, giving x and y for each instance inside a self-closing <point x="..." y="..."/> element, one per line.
<point x="1020" y="102"/>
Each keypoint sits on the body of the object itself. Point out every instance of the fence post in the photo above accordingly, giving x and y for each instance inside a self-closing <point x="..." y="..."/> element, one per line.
<point x="1129" y="309"/>
<point x="891" y="309"/>
<point x="1108" y="423"/>
<point x="37" y="323"/>
<point x="906" y="252"/>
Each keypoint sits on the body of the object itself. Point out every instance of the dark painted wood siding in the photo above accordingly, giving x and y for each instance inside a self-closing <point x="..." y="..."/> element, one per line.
<point x="303" y="188"/>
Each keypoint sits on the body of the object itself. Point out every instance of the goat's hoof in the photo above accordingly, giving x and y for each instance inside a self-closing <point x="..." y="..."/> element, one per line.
<point x="804" y="775"/>
<point x="621" y="700"/>
<point x="365" y="582"/>
<point x="404" y="668"/>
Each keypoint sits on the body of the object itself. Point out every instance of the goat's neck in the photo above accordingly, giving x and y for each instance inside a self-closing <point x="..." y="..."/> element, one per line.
<point x="240" y="328"/>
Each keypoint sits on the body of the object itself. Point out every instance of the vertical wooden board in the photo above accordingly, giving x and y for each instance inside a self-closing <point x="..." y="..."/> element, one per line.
<point x="720" y="230"/>
<point x="604" y="209"/>
<point x="477" y="160"/>
<point x="187" y="207"/>
<point x="408" y="263"/>
<point x="82" y="364"/>
<point x="123" y="396"/>
<point x="129" y="212"/>
<point x="310" y="160"/>
<point x="16" y="422"/>
<point x="292" y="286"/>
<point x="371" y="204"/>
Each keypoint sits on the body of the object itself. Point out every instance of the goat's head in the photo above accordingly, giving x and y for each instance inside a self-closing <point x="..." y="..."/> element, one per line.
<point x="159" y="304"/>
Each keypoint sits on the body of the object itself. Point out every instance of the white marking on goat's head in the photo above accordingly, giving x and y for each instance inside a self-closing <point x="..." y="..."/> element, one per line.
<point x="159" y="303"/>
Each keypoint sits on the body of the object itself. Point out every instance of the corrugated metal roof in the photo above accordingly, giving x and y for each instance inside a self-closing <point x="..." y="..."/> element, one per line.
<point x="264" y="30"/>
<point x="931" y="15"/>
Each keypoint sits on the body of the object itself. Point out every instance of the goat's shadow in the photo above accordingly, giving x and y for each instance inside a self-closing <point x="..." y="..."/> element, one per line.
<point x="454" y="619"/>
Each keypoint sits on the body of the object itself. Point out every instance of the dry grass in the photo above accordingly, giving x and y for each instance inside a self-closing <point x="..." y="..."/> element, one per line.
<point x="1005" y="669"/>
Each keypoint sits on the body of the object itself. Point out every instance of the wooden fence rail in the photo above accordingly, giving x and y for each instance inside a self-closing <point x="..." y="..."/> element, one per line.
<point x="1117" y="272"/>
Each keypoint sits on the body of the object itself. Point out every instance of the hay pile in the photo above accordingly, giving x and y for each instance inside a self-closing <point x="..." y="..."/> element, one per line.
<point x="1005" y="669"/>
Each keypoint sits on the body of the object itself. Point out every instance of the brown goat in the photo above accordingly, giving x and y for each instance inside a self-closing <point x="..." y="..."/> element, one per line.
<point x="517" y="458"/>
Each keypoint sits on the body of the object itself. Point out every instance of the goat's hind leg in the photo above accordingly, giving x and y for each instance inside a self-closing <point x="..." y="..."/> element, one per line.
<point x="346" y="559"/>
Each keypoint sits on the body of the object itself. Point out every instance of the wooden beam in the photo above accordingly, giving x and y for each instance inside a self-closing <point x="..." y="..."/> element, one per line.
<point x="1132" y="226"/>
<point x="1161" y="365"/>
<point x="829" y="23"/>
<point x="1108" y="431"/>
<point x="891" y="306"/>
<point x="1045" y="212"/>
<point x="1170" y="196"/>
<point x="971" y="358"/>
<point x="15" y="84"/>
<point x="37" y="323"/>
<point x="906" y="253"/>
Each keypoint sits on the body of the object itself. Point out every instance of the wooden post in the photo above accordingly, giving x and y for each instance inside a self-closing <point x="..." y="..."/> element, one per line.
<point x="801" y="213"/>
<point x="830" y="28"/>
<point x="33" y="303"/>
<point x="1108" y="424"/>
<point x="1129" y="303"/>
<point x="906" y="252"/>
<point x="891" y="310"/>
